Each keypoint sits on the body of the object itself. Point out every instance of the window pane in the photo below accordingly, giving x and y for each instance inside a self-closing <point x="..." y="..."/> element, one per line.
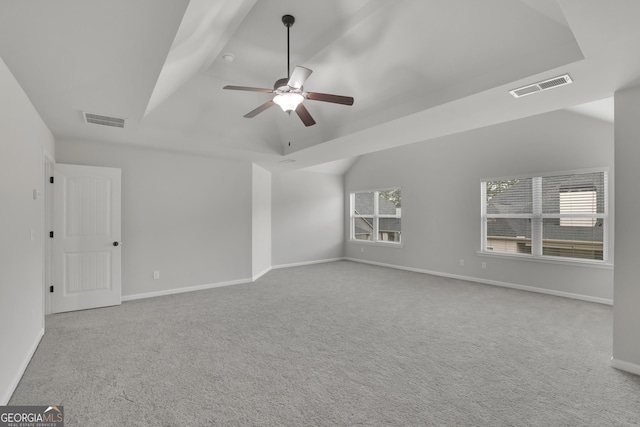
<point x="363" y="228"/>
<point x="562" y="240"/>
<point x="389" y="229"/>
<point x="511" y="235"/>
<point x="512" y="196"/>
<point x="363" y="204"/>
<point x="577" y="193"/>
<point x="389" y="202"/>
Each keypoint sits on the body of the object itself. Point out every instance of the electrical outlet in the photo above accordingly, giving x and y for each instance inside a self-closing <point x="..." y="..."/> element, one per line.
<point x="156" y="275"/>
<point x="461" y="262"/>
<point x="361" y="249"/>
<point x="484" y="265"/>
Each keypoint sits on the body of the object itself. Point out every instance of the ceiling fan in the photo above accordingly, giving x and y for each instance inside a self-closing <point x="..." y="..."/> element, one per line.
<point x="289" y="91"/>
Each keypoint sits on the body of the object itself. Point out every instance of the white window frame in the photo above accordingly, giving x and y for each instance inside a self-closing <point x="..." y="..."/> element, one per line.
<point x="376" y="216"/>
<point x="537" y="218"/>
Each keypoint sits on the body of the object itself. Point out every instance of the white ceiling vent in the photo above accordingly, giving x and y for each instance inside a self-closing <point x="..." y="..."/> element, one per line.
<point x="540" y="86"/>
<point x="103" y="120"/>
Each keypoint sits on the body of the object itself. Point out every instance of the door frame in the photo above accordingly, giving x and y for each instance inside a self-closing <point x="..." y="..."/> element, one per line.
<point x="48" y="164"/>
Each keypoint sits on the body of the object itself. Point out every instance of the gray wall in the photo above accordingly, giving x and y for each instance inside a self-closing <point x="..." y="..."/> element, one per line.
<point x="307" y="217"/>
<point x="626" y="311"/>
<point x="261" y="221"/>
<point x="23" y="140"/>
<point x="440" y="182"/>
<point x="188" y="217"/>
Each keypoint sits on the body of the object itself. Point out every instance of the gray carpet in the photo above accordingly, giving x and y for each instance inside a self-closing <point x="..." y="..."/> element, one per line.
<point x="336" y="344"/>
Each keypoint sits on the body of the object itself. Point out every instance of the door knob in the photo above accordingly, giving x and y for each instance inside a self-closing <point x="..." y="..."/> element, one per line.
<point x="115" y="243"/>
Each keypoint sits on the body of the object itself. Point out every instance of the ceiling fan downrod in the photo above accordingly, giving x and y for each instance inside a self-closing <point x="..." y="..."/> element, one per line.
<point x="288" y="21"/>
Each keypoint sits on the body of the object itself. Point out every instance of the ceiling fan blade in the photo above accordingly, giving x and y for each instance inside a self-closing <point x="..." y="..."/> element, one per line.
<point x="326" y="97"/>
<point x="259" y="110"/>
<point x="250" y="89"/>
<point x="299" y="75"/>
<point x="304" y="115"/>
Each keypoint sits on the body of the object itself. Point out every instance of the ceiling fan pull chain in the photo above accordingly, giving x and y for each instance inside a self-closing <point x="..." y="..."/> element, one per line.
<point x="289" y="128"/>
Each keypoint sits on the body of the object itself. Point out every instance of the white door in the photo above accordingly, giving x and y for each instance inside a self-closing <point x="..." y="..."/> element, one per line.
<point x="86" y="239"/>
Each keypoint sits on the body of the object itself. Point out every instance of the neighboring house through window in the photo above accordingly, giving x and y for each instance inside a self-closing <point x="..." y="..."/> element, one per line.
<point x="376" y="215"/>
<point x="561" y="215"/>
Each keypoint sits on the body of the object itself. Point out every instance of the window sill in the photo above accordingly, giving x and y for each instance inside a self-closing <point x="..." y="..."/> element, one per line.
<point x="549" y="260"/>
<point x="379" y="243"/>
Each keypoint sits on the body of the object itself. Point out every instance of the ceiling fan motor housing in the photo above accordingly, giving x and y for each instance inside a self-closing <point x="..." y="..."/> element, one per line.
<point x="281" y="84"/>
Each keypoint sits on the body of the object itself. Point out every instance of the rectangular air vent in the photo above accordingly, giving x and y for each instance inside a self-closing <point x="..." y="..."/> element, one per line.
<point x="540" y="86"/>
<point x="97" y="119"/>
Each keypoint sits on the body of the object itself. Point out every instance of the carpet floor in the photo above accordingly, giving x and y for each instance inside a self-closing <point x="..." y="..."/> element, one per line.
<point x="336" y="344"/>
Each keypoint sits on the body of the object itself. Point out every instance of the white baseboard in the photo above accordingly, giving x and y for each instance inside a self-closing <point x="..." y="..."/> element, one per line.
<point x="300" y="264"/>
<point x="625" y="366"/>
<point x="492" y="282"/>
<point x="399" y="267"/>
<point x="220" y="284"/>
<point x="182" y="290"/>
<point x="18" y="376"/>
<point x="262" y="273"/>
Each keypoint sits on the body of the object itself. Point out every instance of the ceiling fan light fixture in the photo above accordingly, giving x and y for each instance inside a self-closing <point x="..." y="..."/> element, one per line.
<point x="288" y="101"/>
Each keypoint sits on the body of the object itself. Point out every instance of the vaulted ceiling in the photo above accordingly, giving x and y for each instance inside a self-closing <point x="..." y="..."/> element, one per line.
<point x="418" y="69"/>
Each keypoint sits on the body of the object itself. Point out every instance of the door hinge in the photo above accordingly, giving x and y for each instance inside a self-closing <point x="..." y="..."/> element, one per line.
<point x="51" y="179"/>
<point x="51" y="234"/>
<point x="51" y="288"/>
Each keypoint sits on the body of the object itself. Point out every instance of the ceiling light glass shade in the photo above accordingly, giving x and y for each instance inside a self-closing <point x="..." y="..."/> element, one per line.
<point x="288" y="101"/>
